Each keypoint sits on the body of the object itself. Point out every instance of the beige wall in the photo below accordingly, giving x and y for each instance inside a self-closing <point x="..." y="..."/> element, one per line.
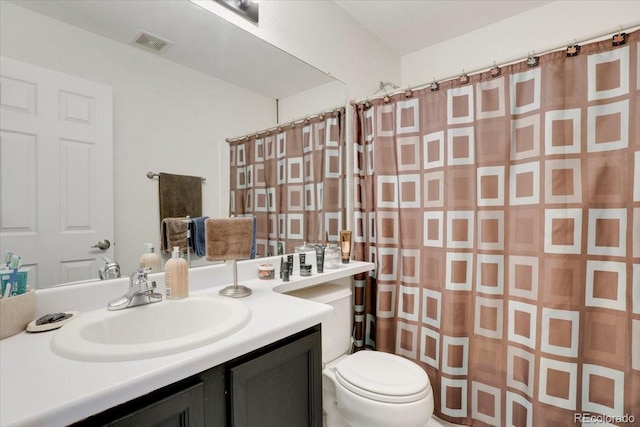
<point x="558" y="23"/>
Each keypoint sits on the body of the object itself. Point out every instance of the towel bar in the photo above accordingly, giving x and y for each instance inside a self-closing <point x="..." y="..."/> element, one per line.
<point x="152" y="175"/>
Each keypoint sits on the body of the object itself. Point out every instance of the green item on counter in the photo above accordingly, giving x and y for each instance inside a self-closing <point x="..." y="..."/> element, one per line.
<point x="21" y="280"/>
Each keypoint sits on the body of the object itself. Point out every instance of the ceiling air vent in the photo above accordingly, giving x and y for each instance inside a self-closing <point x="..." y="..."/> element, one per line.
<point x="151" y="42"/>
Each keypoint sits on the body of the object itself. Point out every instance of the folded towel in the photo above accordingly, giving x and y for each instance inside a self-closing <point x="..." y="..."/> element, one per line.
<point x="254" y="248"/>
<point x="197" y="237"/>
<point x="173" y="232"/>
<point x="179" y="196"/>
<point x="228" y="238"/>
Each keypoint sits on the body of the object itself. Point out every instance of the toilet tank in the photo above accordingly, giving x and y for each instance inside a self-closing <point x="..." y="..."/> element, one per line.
<point x="336" y="332"/>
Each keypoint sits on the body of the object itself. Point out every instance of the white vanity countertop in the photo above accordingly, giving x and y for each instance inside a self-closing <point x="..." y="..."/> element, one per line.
<point x="38" y="387"/>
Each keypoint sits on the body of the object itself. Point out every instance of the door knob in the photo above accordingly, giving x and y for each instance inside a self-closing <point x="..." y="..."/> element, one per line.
<point x="102" y="244"/>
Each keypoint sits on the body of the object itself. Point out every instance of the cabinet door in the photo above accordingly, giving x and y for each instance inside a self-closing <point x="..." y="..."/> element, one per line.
<point x="182" y="409"/>
<point x="280" y="388"/>
<point x="164" y="408"/>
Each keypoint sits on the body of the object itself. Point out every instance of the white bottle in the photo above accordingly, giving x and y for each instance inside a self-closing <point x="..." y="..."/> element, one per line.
<point x="176" y="276"/>
<point x="150" y="259"/>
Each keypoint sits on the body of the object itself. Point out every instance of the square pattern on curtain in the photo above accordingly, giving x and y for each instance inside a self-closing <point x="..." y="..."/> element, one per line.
<point x="292" y="180"/>
<point x="503" y="216"/>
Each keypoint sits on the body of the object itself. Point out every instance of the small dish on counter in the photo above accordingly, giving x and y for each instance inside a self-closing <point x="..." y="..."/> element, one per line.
<point x="35" y="326"/>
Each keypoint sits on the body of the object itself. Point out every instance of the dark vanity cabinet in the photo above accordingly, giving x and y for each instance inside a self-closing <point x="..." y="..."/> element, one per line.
<point x="179" y="405"/>
<point x="275" y="386"/>
<point x="282" y="387"/>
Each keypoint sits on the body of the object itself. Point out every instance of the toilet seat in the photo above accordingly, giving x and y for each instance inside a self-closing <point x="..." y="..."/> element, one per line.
<point x="383" y="377"/>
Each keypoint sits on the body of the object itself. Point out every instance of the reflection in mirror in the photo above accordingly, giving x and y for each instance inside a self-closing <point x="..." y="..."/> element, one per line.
<point x="170" y="112"/>
<point x="292" y="179"/>
<point x="248" y="9"/>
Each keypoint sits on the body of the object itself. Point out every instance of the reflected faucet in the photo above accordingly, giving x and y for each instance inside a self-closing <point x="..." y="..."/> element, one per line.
<point x="140" y="292"/>
<point x="110" y="269"/>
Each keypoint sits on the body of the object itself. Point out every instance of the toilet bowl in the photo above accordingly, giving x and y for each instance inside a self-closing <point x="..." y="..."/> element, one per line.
<point x="376" y="389"/>
<point x="366" y="388"/>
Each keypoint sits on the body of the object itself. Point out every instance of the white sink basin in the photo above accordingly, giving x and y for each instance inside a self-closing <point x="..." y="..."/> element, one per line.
<point x="151" y="330"/>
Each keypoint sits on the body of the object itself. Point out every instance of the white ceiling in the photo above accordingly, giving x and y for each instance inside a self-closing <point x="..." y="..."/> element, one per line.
<point x="406" y="26"/>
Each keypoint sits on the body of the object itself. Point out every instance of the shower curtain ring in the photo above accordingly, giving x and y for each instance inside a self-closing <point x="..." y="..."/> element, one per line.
<point x="495" y="71"/>
<point x="619" y="39"/>
<point x="463" y="78"/>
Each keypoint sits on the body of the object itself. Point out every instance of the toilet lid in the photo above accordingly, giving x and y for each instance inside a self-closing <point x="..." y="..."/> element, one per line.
<point x="383" y="377"/>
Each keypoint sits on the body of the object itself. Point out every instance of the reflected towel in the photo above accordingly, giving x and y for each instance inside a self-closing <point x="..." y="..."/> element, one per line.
<point x="197" y="239"/>
<point x="228" y="238"/>
<point x="179" y="196"/>
<point x="173" y="232"/>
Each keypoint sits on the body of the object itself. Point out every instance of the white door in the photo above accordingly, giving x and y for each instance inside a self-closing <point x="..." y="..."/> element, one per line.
<point x="56" y="171"/>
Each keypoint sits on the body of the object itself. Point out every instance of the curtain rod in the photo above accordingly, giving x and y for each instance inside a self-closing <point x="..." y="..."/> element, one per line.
<point x="283" y="125"/>
<point x="590" y="38"/>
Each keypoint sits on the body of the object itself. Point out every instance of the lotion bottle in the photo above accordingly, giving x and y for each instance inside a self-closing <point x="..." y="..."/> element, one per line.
<point x="176" y="276"/>
<point x="150" y="259"/>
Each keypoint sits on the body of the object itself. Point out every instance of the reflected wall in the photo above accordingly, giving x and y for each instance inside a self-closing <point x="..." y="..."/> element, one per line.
<point x="167" y="117"/>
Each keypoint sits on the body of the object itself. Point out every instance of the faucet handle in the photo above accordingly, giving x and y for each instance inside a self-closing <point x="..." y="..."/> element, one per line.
<point x="139" y="276"/>
<point x="110" y="269"/>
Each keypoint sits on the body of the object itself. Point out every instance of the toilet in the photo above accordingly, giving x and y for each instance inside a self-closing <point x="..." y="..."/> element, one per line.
<point x="366" y="388"/>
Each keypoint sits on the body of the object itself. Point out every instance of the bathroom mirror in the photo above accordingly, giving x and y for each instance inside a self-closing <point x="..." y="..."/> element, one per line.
<point x="173" y="109"/>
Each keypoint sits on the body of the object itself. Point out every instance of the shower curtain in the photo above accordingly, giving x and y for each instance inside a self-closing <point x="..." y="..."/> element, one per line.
<point x="503" y="216"/>
<point x="291" y="179"/>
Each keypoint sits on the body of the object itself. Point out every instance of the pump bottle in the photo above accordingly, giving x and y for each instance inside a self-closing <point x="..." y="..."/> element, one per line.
<point x="150" y="259"/>
<point x="176" y="276"/>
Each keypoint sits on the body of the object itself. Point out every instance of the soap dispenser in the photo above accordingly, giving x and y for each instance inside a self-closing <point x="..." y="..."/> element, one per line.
<point x="176" y="276"/>
<point x="150" y="259"/>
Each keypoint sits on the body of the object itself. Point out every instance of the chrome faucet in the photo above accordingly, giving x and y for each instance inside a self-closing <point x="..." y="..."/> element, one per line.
<point x="140" y="292"/>
<point x="110" y="269"/>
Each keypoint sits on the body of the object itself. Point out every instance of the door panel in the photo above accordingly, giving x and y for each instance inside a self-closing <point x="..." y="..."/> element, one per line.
<point x="56" y="151"/>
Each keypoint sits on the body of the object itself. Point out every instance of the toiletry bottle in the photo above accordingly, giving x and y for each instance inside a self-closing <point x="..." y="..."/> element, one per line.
<point x="332" y="256"/>
<point x="290" y="264"/>
<point x="150" y="259"/>
<point x="320" y="258"/>
<point x="345" y="245"/>
<point x="302" y="250"/>
<point x="176" y="276"/>
<point x="282" y="267"/>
